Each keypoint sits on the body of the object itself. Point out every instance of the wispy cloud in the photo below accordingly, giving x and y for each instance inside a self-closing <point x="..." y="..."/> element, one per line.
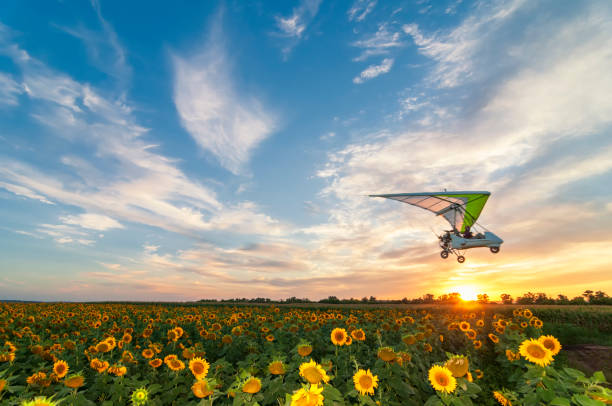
<point x="373" y="71"/>
<point x="9" y="90"/>
<point x="92" y="221"/>
<point x="144" y="186"/>
<point x="360" y="9"/>
<point x="103" y="47"/>
<point x="455" y="51"/>
<point x="379" y="43"/>
<point x="294" y="26"/>
<point x="222" y="120"/>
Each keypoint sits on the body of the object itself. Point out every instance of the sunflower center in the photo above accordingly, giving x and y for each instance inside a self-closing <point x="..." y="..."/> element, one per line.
<point x="198" y="368"/>
<point x="442" y="379"/>
<point x="536" y="351"/>
<point x="339" y="336"/>
<point x="548" y="344"/>
<point x="365" y="381"/>
<point x="312" y="375"/>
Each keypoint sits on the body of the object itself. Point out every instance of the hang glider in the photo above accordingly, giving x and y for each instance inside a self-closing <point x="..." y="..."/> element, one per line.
<point x="461" y="210"/>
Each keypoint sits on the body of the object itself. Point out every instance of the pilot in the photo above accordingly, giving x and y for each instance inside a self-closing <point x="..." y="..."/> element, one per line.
<point x="467" y="233"/>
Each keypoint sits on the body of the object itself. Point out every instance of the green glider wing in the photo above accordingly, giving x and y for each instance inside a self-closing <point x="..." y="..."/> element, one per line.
<point x="460" y="209"/>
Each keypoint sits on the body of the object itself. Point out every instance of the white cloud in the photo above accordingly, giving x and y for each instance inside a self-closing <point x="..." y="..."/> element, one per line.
<point x="24" y="191"/>
<point x="456" y="50"/>
<point x="143" y="186"/>
<point x="293" y="27"/>
<point x="9" y="90"/>
<point x="92" y="221"/>
<point x="360" y="9"/>
<point x="373" y="71"/>
<point x="222" y="120"/>
<point x="103" y="47"/>
<point x="380" y="43"/>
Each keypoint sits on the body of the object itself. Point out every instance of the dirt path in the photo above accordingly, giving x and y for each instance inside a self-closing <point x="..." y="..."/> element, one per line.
<point x="590" y="358"/>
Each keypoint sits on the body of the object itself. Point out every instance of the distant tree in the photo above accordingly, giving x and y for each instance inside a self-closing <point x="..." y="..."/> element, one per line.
<point x="578" y="300"/>
<point x="372" y="299"/>
<point x="527" y="299"/>
<point x="600" y="298"/>
<point x="483" y="298"/>
<point x="588" y="295"/>
<point x="541" y="298"/>
<point x="562" y="299"/>
<point x="428" y="298"/>
<point x="506" y="298"/>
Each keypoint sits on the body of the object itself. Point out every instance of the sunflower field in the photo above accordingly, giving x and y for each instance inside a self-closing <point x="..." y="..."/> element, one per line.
<point x="145" y="354"/>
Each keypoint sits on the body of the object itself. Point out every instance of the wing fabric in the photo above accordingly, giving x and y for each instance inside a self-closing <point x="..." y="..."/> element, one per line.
<point x="460" y="209"/>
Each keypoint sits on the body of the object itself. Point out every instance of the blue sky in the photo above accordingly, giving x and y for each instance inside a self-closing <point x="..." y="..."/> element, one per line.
<point x="225" y="149"/>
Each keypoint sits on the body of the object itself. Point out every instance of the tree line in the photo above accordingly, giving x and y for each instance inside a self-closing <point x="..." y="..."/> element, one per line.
<point x="589" y="297"/>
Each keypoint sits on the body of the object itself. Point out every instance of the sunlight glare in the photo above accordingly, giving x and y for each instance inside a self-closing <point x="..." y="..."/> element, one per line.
<point x="467" y="293"/>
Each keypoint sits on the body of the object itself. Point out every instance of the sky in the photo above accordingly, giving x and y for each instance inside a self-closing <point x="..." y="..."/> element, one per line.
<point x="227" y="149"/>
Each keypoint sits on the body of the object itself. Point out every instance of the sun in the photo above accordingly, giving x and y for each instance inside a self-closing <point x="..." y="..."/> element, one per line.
<point x="467" y="293"/>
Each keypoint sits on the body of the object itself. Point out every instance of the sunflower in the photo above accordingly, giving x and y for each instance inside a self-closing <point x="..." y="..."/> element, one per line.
<point x="501" y="399"/>
<point x="304" y="350"/>
<point x="477" y="344"/>
<point x="3" y="383"/>
<point x="36" y="378"/>
<point x="427" y="347"/>
<point x="118" y="370"/>
<point x="155" y="363"/>
<point x="512" y="356"/>
<point x="480" y="323"/>
<point x="147" y="353"/>
<point x="494" y="338"/>
<point x="98" y="365"/>
<point x="175" y="365"/>
<point x="535" y="352"/>
<point x="276" y="368"/>
<point x="40" y="401"/>
<point x="103" y="346"/>
<point x="442" y="379"/>
<point x="308" y="397"/>
<point x="479" y="374"/>
<point x="386" y="354"/>
<point x="74" y="381"/>
<point x="409" y="339"/>
<point x="458" y="365"/>
<point x="551" y="343"/>
<point x="313" y="372"/>
<point x="338" y="336"/>
<point x="358" y="335"/>
<point x="252" y="385"/>
<point x="199" y="368"/>
<point x="365" y="382"/>
<point x="471" y="334"/>
<point x="60" y="368"/>
<point x="464" y="326"/>
<point x="139" y="397"/>
<point x="270" y="337"/>
<point x="201" y="389"/>
<point x="527" y="313"/>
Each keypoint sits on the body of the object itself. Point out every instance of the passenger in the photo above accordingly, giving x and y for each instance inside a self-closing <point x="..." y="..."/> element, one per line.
<point x="467" y="233"/>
